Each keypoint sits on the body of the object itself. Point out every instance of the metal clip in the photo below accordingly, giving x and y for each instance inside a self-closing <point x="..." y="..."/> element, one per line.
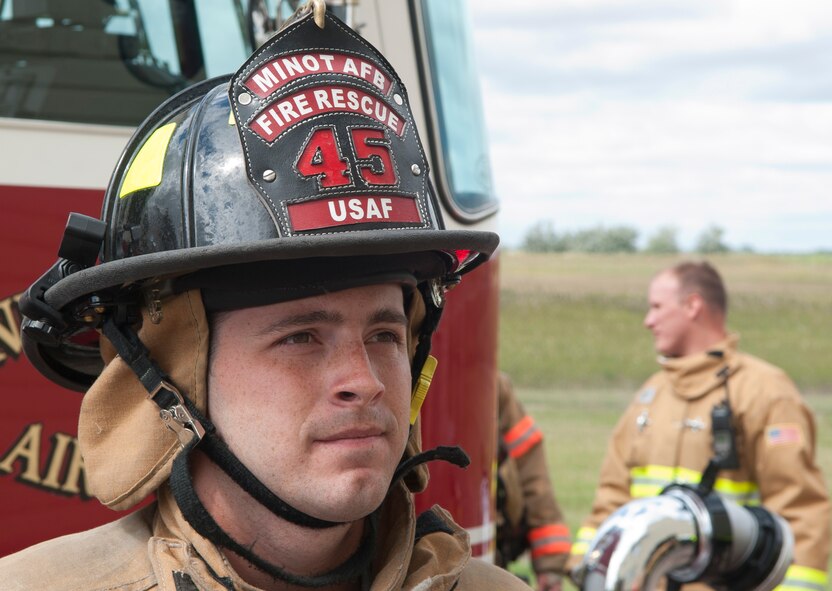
<point x="643" y="420"/>
<point x="437" y="292"/>
<point x="154" y="306"/>
<point x="318" y="9"/>
<point x="177" y="418"/>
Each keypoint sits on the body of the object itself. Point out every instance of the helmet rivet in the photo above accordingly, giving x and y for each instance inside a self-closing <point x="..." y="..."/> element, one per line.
<point x="244" y="98"/>
<point x="398" y="99"/>
<point x="269" y="175"/>
<point x="416" y="170"/>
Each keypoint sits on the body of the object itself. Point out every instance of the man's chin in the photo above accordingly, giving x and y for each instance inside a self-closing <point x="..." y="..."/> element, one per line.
<point x="350" y="497"/>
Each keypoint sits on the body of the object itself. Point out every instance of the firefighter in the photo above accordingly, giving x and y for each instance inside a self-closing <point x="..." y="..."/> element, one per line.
<point x="266" y="307"/>
<point x="711" y="402"/>
<point x="528" y="514"/>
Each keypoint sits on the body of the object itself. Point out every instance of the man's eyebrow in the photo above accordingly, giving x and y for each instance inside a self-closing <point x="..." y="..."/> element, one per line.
<point x="380" y="316"/>
<point x="388" y="316"/>
<point x="296" y="320"/>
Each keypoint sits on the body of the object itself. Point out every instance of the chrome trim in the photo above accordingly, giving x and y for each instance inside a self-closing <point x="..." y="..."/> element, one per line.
<point x="671" y="534"/>
<point x="639" y="544"/>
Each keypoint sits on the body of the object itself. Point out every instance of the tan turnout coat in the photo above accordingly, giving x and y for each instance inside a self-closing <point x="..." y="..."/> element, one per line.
<point x="155" y="549"/>
<point x="529" y="491"/>
<point x="665" y="436"/>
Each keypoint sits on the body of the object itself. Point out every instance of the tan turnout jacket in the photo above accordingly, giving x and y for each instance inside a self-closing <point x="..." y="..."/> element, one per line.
<point x="156" y="549"/>
<point x="665" y="436"/>
<point x="530" y="497"/>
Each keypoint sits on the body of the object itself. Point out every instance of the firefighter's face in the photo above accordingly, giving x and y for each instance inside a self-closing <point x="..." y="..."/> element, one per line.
<point x="669" y="315"/>
<point x="313" y="395"/>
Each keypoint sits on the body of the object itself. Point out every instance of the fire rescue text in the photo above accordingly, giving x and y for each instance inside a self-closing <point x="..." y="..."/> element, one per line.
<point x="285" y="112"/>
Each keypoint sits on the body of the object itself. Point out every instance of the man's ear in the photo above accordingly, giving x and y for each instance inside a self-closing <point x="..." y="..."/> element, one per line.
<point x="694" y="305"/>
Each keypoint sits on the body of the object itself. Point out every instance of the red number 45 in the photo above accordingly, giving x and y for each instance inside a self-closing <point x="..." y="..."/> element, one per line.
<point x="321" y="158"/>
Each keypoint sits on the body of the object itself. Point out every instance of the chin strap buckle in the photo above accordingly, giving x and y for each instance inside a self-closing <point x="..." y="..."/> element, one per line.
<point x="175" y="414"/>
<point x="420" y="391"/>
<point x="173" y="408"/>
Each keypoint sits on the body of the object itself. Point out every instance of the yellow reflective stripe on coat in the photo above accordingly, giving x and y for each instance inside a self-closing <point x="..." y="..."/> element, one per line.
<point x="582" y="540"/>
<point x="649" y="481"/>
<point x="803" y="578"/>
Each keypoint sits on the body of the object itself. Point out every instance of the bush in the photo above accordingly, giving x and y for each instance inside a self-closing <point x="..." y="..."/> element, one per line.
<point x="663" y="241"/>
<point x="710" y="241"/>
<point x="604" y="240"/>
<point x="542" y="237"/>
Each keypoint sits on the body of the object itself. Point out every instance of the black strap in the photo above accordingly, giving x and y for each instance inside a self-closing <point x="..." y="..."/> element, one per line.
<point x="135" y="354"/>
<point x="452" y="454"/>
<point x="183" y="582"/>
<point x="128" y="345"/>
<point x="429" y="325"/>
<point x="429" y="522"/>
<point x="219" y="453"/>
<point x="200" y="519"/>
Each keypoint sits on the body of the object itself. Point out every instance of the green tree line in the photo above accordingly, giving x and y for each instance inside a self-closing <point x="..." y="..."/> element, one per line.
<point x="542" y="237"/>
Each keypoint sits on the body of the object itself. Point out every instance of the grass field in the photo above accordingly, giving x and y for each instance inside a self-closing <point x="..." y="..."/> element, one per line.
<point x="575" y="320"/>
<point x="572" y="340"/>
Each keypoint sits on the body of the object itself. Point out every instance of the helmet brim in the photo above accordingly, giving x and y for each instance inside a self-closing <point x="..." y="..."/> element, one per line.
<point x="174" y="263"/>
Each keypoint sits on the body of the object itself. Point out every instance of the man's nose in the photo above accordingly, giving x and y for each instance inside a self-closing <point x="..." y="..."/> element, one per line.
<point x="355" y="378"/>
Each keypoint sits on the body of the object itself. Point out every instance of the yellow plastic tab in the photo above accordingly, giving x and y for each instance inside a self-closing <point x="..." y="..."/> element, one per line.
<point x="420" y="391"/>
<point x="231" y="120"/>
<point x="146" y="169"/>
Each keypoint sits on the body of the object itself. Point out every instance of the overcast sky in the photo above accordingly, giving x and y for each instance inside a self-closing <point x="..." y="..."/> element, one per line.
<point x="649" y="113"/>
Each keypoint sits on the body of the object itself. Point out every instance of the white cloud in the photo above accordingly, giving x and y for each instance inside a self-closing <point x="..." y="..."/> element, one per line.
<point x="639" y="114"/>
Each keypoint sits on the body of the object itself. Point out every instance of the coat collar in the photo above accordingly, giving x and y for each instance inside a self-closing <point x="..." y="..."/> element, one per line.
<point x="693" y="376"/>
<point x="437" y="559"/>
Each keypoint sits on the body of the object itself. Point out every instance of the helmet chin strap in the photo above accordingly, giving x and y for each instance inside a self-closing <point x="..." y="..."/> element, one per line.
<point x="181" y="485"/>
<point x="193" y="430"/>
<point x="180" y="414"/>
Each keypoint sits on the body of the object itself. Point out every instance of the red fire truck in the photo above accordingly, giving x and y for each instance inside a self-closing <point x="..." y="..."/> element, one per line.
<point x="77" y="75"/>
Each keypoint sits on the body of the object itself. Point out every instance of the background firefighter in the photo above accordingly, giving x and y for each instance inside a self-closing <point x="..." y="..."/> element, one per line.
<point x="709" y="400"/>
<point x="528" y="515"/>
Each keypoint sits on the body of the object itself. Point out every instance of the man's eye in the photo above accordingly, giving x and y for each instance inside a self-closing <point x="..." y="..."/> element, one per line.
<point x="300" y="338"/>
<point x="387" y="336"/>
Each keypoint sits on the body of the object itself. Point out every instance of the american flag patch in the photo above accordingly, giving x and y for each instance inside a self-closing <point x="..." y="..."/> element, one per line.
<point x="781" y="434"/>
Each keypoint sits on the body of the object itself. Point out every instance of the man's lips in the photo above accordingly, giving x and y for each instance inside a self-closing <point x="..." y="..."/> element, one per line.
<point x="354" y="434"/>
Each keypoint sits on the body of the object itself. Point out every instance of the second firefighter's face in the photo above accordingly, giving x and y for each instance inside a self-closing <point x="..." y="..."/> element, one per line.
<point x="313" y="395"/>
<point x="669" y="315"/>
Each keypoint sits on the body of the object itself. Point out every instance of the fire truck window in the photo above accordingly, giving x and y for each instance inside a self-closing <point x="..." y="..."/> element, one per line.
<point x="111" y="61"/>
<point x="459" y="112"/>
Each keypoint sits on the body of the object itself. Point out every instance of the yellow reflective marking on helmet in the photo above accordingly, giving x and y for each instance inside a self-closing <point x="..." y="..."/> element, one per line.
<point x="420" y="391"/>
<point x="145" y="170"/>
